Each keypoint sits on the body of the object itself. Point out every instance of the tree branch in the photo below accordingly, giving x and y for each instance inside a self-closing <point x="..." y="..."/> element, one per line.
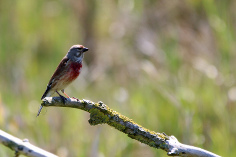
<point x="22" y="146"/>
<point x="101" y="113"/>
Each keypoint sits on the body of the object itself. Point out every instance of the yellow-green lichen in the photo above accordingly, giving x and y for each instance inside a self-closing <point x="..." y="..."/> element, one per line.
<point x="96" y="104"/>
<point x="114" y="113"/>
<point x="117" y="125"/>
<point x="103" y="114"/>
<point x="97" y="117"/>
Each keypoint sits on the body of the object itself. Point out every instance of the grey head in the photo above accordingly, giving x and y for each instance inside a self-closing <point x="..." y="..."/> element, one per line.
<point x="76" y="53"/>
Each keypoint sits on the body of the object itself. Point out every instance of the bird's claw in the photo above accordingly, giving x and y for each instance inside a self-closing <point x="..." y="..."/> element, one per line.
<point x="63" y="99"/>
<point x="75" y="98"/>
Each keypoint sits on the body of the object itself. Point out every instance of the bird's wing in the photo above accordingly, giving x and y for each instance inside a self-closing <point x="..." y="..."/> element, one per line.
<point x="61" y="69"/>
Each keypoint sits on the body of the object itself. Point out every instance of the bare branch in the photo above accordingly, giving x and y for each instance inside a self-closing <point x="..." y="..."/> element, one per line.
<point x="101" y="113"/>
<point x="22" y="146"/>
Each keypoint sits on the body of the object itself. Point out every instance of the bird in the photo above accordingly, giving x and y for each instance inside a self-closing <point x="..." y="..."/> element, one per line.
<point x="66" y="72"/>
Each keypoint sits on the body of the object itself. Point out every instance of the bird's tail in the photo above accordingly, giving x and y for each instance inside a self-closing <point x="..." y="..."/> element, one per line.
<point x="41" y="107"/>
<point x="46" y="92"/>
<point x="44" y="95"/>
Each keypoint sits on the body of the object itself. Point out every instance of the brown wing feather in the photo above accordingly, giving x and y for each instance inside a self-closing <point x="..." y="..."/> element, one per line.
<point x="61" y="69"/>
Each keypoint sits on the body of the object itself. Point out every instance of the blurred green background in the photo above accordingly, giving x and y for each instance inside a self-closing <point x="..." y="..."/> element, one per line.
<point x="168" y="65"/>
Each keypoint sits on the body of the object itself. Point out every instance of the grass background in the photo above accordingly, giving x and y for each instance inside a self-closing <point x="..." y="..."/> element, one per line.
<point x="168" y="65"/>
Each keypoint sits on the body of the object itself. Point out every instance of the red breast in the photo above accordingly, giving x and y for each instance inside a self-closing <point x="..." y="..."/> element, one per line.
<point x="74" y="71"/>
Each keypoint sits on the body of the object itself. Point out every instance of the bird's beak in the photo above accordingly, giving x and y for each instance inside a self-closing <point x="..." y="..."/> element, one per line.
<point x="85" y="49"/>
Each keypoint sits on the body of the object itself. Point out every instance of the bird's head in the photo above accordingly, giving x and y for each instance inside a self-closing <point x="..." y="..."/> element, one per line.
<point x="76" y="53"/>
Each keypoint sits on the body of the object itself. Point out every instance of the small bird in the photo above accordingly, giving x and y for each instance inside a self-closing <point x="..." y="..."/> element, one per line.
<point x="67" y="71"/>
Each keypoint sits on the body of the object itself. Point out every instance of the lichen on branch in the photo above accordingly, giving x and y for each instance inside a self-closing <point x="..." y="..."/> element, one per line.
<point x="102" y="114"/>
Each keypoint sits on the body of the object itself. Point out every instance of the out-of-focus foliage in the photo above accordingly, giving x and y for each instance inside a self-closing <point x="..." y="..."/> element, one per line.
<point x="168" y="65"/>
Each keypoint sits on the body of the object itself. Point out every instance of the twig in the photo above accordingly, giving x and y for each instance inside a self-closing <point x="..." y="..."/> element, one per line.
<point x="22" y="146"/>
<point x="101" y="113"/>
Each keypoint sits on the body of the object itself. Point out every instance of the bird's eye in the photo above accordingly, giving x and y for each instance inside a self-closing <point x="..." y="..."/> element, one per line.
<point x="77" y="54"/>
<point x="79" y="48"/>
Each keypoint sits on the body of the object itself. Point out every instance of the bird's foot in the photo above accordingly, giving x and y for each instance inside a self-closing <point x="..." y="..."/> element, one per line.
<point x="75" y="98"/>
<point x="63" y="99"/>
